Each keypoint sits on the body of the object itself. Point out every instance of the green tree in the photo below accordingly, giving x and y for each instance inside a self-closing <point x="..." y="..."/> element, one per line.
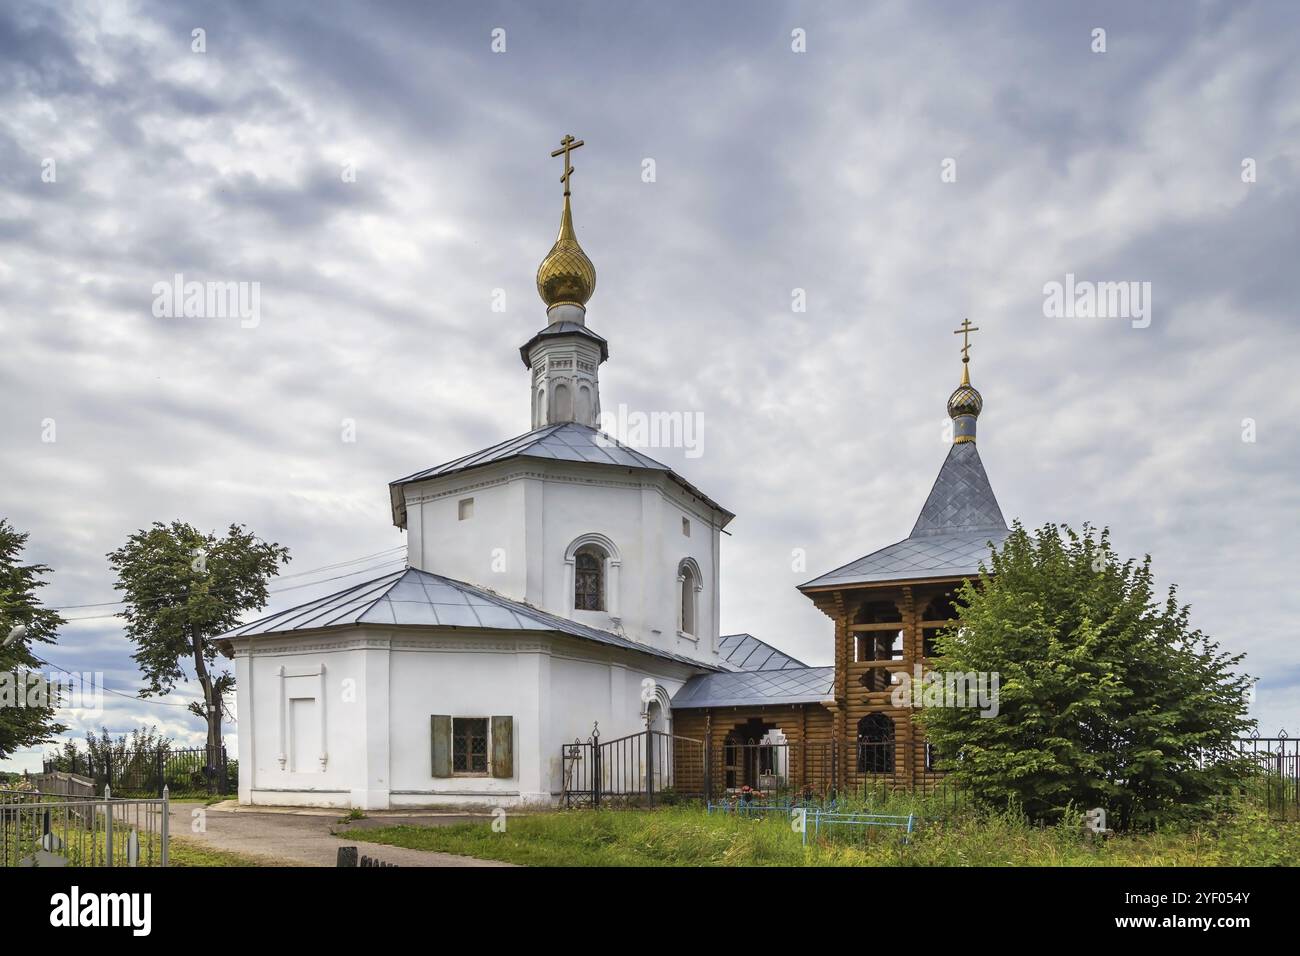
<point x="183" y="588"/>
<point x="1107" y="697"/>
<point x="23" y="622"/>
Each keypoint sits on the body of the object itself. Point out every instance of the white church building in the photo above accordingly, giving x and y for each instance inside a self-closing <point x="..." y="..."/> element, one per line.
<point x="554" y="580"/>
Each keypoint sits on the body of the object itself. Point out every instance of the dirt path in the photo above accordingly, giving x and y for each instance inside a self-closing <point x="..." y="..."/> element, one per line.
<point x="302" y="837"/>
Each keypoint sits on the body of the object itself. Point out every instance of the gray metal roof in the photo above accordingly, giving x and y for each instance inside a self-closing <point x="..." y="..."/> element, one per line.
<point x="413" y="598"/>
<point x="932" y="556"/>
<point x="564" y="328"/>
<point x="567" y="441"/>
<point x="951" y="537"/>
<point x="745" y="652"/>
<point x="795" y="685"/>
<point x="962" y="498"/>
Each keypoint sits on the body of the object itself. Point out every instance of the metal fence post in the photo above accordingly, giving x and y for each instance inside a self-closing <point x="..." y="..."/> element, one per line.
<point x="158" y="763"/>
<point x="708" y="769"/>
<point x="108" y="825"/>
<point x="650" y="768"/>
<point x="166" y="820"/>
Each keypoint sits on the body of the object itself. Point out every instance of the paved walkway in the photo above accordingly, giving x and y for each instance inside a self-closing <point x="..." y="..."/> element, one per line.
<point x="306" y="836"/>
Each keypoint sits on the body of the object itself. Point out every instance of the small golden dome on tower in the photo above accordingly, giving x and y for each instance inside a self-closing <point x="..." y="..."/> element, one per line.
<point x="965" y="401"/>
<point x="566" y="275"/>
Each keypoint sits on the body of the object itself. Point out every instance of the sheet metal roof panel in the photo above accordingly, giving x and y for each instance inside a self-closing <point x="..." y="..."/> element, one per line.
<point x="564" y="328"/>
<point x="746" y="652"/>
<point x="955" y="554"/>
<point x="421" y="599"/>
<point x="796" y="685"/>
<point x="568" y="441"/>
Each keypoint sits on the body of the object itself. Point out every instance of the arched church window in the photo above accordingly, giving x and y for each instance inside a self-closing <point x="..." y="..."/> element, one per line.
<point x="562" y="402"/>
<point x="875" y="744"/>
<point x="589" y="579"/>
<point x="688" y="583"/>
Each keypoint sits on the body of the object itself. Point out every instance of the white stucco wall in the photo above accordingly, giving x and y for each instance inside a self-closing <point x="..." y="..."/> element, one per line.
<point x="374" y="691"/>
<point x="527" y="513"/>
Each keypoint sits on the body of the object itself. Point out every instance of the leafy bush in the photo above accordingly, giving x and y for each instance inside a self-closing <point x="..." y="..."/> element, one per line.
<point x="1108" y="698"/>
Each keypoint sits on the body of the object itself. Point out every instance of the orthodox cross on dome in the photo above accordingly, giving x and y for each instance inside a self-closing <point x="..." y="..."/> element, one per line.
<point x="965" y="331"/>
<point x="567" y="145"/>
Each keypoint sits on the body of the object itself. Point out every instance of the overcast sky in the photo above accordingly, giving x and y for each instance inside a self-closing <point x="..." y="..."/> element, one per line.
<point x="775" y="170"/>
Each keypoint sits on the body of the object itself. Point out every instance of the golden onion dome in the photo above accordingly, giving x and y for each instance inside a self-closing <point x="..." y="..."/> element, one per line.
<point x="965" y="401"/>
<point x="964" y="407"/>
<point x="566" y="275"/>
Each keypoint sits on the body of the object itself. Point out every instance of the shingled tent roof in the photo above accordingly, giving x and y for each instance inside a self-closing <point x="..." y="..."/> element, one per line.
<point x="959" y="523"/>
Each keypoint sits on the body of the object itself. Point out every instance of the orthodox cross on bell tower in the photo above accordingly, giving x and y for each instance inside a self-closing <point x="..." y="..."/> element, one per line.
<point x="567" y="145"/>
<point x="965" y="331"/>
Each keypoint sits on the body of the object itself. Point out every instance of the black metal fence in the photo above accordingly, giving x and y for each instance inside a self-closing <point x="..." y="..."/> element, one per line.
<point x="817" y="770"/>
<point x="186" y="772"/>
<point x="654" y="767"/>
<point x="650" y="767"/>
<point x="1277" y="762"/>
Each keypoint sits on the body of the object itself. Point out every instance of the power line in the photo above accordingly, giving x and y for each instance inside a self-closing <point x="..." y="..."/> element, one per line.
<point x="292" y="587"/>
<point x="137" y="697"/>
<point x="282" y="577"/>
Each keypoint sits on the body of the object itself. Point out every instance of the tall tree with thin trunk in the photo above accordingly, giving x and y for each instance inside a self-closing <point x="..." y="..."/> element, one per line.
<point x="28" y="718"/>
<point x="183" y="588"/>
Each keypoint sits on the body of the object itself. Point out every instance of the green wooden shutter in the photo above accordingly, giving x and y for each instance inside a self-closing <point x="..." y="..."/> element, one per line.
<point x="503" y="746"/>
<point x="440" y="746"/>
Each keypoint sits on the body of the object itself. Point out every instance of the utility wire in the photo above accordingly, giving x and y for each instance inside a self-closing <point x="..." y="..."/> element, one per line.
<point x="282" y="577"/>
<point x="292" y="587"/>
<point x="148" y="700"/>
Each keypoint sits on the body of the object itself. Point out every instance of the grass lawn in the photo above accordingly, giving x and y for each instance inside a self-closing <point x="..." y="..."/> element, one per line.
<point x="687" y="836"/>
<point x="182" y="851"/>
